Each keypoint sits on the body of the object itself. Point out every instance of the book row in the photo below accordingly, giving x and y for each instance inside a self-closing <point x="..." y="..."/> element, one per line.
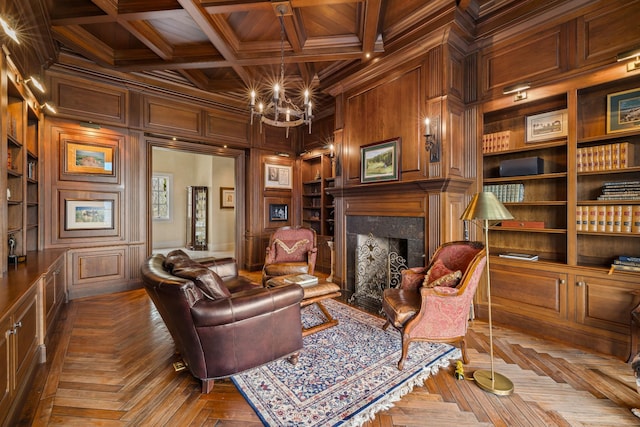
<point x="614" y="156"/>
<point x="622" y="263"/>
<point x="506" y="192"/>
<point x="608" y="218"/>
<point x="497" y="141"/>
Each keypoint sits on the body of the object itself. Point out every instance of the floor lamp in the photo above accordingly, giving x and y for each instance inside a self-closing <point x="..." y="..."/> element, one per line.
<point x="485" y="206"/>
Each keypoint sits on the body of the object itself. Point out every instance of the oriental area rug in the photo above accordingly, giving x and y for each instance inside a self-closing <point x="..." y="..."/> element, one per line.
<point x="345" y="374"/>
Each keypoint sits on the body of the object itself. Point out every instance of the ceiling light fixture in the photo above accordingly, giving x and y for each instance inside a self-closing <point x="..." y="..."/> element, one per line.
<point x="519" y="89"/>
<point x="9" y="31"/>
<point x="281" y="111"/>
<point x="634" y="55"/>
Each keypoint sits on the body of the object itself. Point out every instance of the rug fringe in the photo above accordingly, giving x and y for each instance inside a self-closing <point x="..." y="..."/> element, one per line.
<point x="387" y="402"/>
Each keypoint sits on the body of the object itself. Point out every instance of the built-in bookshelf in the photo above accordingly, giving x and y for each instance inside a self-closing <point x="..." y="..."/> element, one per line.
<point x="575" y="214"/>
<point x="21" y="142"/>
<point x="317" y="205"/>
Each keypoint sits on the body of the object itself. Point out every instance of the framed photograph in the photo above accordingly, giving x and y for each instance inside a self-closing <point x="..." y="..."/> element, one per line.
<point x="278" y="212"/>
<point x="88" y="214"/>
<point x="623" y="111"/>
<point x="88" y="159"/>
<point x="227" y="198"/>
<point x="547" y="126"/>
<point x="380" y="161"/>
<point x="277" y="176"/>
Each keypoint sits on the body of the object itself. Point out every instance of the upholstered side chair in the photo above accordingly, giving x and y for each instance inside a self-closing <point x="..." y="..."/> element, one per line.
<point x="433" y="303"/>
<point x="291" y="250"/>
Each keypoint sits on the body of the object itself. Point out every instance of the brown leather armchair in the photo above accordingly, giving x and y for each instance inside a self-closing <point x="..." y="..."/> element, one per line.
<point x="433" y="303"/>
<point x="291" y="250"/>
<point x="217" y="331"/>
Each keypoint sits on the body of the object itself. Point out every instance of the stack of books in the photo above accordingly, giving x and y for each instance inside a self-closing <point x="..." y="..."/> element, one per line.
<point x="506" y="193"/>
<point x="625" y="263"/>
<point x="497" y="141"/>
<point x="525" y="257"/>
<point x="620" y="190"/>
<point x="605" y="157"/>
<point x="302" y="280"/>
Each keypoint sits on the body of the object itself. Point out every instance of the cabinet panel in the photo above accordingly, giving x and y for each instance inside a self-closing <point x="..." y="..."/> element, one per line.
<point x="529" y="290"/>
<point x="604" y="303"/>
<point x="26" y="336"/>
<point x="5" y="367"/>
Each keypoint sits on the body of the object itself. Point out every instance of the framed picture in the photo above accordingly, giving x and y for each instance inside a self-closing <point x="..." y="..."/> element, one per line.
<point x="227" y="198"/>
<point x="88" y="214"/>
<point x="547" y="126"/>
<point x="278" y="212"/>
<point x="276" y="176"/>
<point x="88" y="159"/>
<point x="379" y="161"/>
<point x="623" y="111"/>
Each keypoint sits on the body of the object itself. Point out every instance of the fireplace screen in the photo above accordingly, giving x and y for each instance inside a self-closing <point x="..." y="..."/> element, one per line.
<point x="379" y="263"/>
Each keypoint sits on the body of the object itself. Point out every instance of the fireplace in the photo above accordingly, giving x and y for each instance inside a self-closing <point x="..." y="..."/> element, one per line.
<point x="378" y="248"/>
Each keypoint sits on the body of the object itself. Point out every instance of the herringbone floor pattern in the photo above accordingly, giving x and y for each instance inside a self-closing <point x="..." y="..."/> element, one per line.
<point x="110" y="364"/>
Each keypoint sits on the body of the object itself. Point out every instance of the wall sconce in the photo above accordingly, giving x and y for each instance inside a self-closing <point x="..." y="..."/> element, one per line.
<point x="9" y="31"/>
<point x="519" y="90"/>
<point x="50" y="108"/>
<point x="633" y="54"/>
<point x="34" y="81"/>
<point x="431" y="143"/>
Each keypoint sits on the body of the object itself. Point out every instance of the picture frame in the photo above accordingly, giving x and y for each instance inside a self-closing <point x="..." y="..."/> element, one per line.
<point x="89" y="214"/>
<point x="277" y="176"/>
<point x="278" y="212"/>
<point x="380" y="161"/>
<point x="227" y="198"/>
<point x="546" y="126"/>
<point x="88" y="159"/>
<point x="623" y="111"/>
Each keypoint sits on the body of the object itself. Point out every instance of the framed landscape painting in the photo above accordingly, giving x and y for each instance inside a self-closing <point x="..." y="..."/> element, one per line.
<point x="380" y="161"/>
<point x="623" y="111"/>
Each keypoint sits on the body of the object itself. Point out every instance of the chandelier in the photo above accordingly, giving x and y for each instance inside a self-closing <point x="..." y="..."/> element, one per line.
<point x="281" y="111"/>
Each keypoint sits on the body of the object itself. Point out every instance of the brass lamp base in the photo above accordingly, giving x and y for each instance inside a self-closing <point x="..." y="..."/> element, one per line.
<point x="500" y="384"/>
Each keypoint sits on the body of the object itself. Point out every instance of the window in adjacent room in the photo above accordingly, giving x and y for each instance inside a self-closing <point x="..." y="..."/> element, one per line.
<point x="161" y="197"/>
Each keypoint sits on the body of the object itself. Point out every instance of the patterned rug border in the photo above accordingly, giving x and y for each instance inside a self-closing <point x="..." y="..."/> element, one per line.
<point x="385" y="401"/>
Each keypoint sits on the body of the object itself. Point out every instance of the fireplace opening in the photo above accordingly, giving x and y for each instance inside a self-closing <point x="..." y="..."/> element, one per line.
<point x="378" y="249"/>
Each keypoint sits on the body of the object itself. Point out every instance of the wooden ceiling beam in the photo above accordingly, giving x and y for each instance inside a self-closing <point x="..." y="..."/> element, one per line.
<point x="372" y="12"/>
<point x="85" y="43"/>
<point x="203" y="20"/>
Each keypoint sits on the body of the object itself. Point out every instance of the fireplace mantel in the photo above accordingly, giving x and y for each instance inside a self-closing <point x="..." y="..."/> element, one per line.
<point x="439" y="185"/>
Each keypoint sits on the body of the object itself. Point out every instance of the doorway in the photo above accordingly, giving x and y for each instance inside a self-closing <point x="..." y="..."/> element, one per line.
<point x="174" y="168"/>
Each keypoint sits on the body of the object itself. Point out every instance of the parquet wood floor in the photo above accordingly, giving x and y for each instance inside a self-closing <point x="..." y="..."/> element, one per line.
<point x="110" y="364"/>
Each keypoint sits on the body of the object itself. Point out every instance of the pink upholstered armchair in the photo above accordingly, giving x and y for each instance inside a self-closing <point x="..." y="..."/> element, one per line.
<point x="433" y="303"/>
<point x="291" y="250"/>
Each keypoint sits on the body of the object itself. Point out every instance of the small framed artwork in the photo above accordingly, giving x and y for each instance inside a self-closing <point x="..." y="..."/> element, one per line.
<point x="623" y="111"/>
<point x="88" y="214"/>
<point x="380" y="161"/>
<point x="546" y="126"/>
<point x="88" y="159"/>
<point x="278" y="212"/>
<point x="277" y="176"/>
<point x="227" y="198"/>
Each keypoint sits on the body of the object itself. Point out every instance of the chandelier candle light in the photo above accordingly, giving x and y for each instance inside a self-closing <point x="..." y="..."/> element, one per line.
<point x="281" y="111"/>
<point x="485" y="206"/>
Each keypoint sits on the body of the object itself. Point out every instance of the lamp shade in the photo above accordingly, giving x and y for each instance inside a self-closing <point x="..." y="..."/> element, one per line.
<point x="485" y="205"/>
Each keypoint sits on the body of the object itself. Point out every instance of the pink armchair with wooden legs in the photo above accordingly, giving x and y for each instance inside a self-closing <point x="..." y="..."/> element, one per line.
<point x="291" y="250"/>
<point x="433" y="303"/>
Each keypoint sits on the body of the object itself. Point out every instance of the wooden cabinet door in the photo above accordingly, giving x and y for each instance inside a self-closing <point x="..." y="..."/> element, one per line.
<point x="605" y="303"/>
<point x="25" y="324"/>
<point x="534" y="292"/>
<point x="5" y="366"/>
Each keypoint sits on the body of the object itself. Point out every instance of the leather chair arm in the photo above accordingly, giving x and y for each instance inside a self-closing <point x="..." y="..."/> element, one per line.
<point x="245" y="305"/>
